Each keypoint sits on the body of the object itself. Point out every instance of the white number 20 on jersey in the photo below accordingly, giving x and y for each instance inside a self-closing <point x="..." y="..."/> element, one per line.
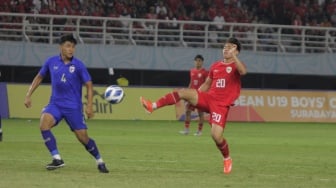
<point x="220" y="83"/>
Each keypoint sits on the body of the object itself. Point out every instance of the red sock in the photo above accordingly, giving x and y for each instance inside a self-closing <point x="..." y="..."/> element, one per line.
<point x="168" y="99"/>
<point x="224" y="148"/>
<point x="187" y="124"/>
<point x="200" y="126"/>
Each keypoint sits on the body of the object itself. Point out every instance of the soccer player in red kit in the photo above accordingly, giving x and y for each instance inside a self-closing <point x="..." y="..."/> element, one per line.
<point x="198" y="74"/>
<point x="215" y="96"/>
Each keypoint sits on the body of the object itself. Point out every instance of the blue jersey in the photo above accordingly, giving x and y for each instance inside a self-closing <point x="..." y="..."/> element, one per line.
<point x="66" y="81"/>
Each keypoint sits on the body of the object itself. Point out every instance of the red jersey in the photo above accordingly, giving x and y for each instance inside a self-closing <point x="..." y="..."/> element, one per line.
<point x="197" y="77"/>
<point x="226" y="84"/>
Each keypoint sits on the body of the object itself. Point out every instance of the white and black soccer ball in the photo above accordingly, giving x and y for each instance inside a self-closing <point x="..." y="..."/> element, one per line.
<point x="114" y="94"/>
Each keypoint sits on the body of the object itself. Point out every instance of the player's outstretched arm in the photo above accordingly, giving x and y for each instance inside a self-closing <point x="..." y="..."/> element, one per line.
<point x="36" y="82"/>
<point x="206" y="85"/>
<point x="240" y="66"/>
<point x="89" y="92"/>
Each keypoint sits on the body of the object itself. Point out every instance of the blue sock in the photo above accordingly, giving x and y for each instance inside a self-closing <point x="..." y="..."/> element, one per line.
<point x="50" y="142"/>
<point x="0" y="129"/>
<point x="91" y="147"/>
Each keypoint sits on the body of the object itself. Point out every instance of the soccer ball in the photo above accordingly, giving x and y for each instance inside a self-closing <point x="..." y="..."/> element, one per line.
<point x="114" y="94"/>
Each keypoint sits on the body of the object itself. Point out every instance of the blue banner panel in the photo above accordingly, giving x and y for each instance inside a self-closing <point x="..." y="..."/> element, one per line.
<point x="4" y="112"/>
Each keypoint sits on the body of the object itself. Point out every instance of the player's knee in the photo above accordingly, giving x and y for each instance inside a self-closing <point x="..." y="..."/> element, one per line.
<point x="47" y="121"/>
<point x="46" y="125"/>
<point x="217" y="139"/>
<point x="190" y="95"/>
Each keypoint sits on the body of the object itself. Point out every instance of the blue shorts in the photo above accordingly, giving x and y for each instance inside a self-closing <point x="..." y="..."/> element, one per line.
<point x="73" y="117"/>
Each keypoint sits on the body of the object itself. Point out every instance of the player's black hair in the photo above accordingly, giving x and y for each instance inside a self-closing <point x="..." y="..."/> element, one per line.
<point x="235" y="41"/>
<point x="199" y="57"/>
<point x="69" y="38"/>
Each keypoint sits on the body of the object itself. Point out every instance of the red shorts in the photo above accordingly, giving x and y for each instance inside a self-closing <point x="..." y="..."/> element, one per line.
<point x="218" y="112"/>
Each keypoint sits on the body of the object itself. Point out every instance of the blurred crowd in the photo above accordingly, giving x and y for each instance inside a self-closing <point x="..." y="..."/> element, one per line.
<point x="285" y="12"/>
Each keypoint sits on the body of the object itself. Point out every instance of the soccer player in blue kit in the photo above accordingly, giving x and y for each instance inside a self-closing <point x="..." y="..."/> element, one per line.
<point x="68" y="74"/>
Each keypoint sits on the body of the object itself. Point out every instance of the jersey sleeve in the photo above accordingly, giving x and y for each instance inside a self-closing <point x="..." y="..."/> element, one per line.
<point x="84" y="74"/>
<point x="45" y="68"/>
<point x="210" y="72"/>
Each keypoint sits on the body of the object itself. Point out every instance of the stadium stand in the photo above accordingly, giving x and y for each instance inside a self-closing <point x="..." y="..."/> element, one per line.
<point x="275" y="26"/>
<point x="268" y="26"/>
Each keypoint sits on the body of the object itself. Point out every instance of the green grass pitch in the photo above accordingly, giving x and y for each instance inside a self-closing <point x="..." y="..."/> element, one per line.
<point x="151" y="154"/>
